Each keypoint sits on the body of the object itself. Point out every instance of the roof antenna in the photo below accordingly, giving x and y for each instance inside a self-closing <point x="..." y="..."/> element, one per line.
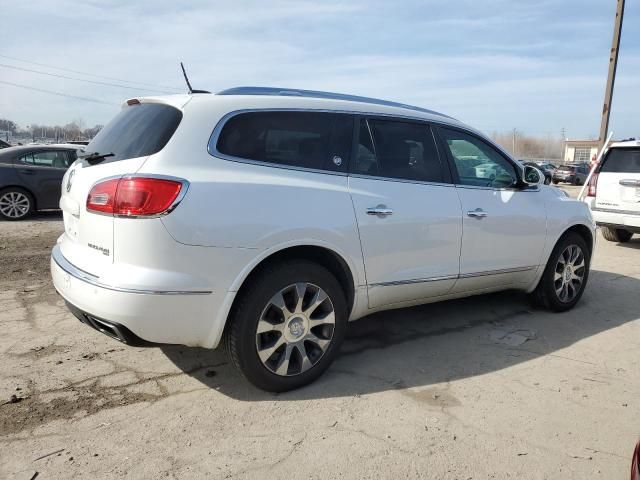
<point x="186" y="79"/>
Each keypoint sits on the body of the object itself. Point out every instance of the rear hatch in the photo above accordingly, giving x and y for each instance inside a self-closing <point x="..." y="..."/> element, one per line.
<point x="619" y="181"/>
<point x="137" y="132"/>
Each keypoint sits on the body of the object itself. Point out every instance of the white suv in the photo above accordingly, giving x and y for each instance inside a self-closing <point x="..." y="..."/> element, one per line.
<point x="268" y="219"/>
<point x="614" y="192"/>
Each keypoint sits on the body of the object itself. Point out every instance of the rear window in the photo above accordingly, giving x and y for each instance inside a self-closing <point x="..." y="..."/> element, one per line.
<point x="317" y="140"/>
<point x="137" y="131"/>
<point x="622" y="160"/>
<point x="566" y="168"/>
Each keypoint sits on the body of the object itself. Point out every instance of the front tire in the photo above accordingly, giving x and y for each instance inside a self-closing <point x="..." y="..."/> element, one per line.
<point x="565" y="276"/>
<point x="15" y="204"/>
<point x="617" y="235"/>
<point x="287" y="326"/>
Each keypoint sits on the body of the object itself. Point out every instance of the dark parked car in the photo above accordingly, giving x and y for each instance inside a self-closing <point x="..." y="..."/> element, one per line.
<point x="31" y="176"/>
<point x="575" y="173"/>
<point x="546" y="172"/>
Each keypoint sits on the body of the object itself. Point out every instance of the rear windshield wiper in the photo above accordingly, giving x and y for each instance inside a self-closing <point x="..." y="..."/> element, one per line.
<point x="95" y="157"/>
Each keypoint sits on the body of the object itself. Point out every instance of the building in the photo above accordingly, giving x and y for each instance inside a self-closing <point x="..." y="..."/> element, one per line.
<point x="582" y="151"/>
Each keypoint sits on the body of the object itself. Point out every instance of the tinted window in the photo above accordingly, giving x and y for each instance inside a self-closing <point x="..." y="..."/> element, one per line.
<point x="316" y="140"/>
<point x="399" y="150"/>
<point x="137" y="131"/>
<point x="622" y="160"/>
<point x="478" y="163"/>
<point x="47" y="158"/>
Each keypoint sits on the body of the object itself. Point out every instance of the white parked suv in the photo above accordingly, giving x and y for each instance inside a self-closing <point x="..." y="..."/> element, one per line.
<point x="267" y="219"/>
<point x="614" y="192"/>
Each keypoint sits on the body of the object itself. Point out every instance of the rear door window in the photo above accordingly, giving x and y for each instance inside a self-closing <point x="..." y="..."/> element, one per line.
<point x="622" y="160"/>
<point x="317" y="140"/>
<point x="137" y="131"/>
<point x="397" y="149"/>
<point x="46" y="158"/>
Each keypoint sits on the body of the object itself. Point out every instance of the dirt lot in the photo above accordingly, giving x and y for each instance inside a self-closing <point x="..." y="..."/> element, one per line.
<point x="478" y="388"/>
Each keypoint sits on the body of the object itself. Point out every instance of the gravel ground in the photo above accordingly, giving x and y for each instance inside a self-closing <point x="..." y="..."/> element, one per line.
<point x="485" y="387"/>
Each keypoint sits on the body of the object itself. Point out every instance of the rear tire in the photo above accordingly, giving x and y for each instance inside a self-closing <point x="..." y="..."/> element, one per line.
<point x="281" y="335"/>
<point x="565" y="276"/>
<point x="16" y="204"/>
<point x="555" y="182"/>
<point x="617" y="235"/>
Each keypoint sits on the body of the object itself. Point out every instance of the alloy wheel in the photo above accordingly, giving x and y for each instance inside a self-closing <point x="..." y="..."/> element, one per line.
<point x="569" y="273"/>
<point x="14" y="204"/>
<point x="295" y="329"/>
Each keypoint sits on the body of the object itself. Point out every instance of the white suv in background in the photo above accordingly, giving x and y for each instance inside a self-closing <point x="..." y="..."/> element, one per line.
<point x="614" y="192"/>
<point x="268" y="219"/>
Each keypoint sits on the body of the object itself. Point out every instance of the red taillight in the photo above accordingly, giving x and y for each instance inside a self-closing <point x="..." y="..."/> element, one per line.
<point x="102" y="196"/>
<point x="133" y="196"/>
<point x="593" y="185"/>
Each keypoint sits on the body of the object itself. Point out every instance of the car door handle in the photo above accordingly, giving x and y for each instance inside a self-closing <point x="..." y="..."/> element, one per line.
<point x="477" y="213"/>
<point x="27" y="172"/>
<point x="380" y="211"/>
<point x="630" y="183"/>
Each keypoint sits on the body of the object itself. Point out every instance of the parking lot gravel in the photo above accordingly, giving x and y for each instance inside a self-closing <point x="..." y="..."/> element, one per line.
<point x="485" y="387"/>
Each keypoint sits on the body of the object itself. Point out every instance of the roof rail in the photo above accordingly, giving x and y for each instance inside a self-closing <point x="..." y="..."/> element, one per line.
<point x="290" y="92"/>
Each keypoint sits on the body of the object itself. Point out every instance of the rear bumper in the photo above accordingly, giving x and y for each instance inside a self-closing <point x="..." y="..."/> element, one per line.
<point x="616" y="219"/>
<point x="137" y="316"/>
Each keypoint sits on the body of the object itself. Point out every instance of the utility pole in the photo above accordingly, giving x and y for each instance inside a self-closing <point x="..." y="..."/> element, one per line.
<point x="613" y="64"/>
<point x="513" y="149"/>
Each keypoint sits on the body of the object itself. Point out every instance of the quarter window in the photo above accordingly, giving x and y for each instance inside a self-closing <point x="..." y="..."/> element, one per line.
<point x="315" y="140"/>
<point x="478" y="163"/>
<point x="400" y="150"/>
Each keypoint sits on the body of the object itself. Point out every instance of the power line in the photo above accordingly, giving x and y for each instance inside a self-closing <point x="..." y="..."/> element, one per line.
<point x="60" y="94"/>
<point x="95" y="82"/>
<point x="91" y="74"/>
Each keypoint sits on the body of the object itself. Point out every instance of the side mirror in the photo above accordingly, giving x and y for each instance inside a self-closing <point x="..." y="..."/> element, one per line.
<point x="533" y="176"/>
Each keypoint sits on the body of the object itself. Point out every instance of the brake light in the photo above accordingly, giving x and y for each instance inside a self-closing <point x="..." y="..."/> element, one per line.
<point x="593" y="185"/>
<point x="134" y="196"/>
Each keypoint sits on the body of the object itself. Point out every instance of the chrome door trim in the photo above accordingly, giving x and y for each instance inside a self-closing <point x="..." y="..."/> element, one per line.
<point x="496" y="272"/>
<point x="453" y="277"/>
<point x="68" y="267"/>
<point x="415" y="280"/>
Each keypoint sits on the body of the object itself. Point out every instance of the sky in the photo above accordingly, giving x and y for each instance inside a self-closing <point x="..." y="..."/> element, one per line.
<point x="539" y="66"/>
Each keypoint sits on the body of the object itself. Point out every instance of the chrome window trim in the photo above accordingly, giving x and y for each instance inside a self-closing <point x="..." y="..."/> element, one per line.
<point x="212" y="148"/>
<point x="454" y="277"/>
<point x="79" y="274"/>
<point x="212" y="145"/>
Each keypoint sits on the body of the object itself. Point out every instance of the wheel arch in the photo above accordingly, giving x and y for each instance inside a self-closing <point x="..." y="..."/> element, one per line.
<point x="327" y="256"/>
<point x="582" y="230"/>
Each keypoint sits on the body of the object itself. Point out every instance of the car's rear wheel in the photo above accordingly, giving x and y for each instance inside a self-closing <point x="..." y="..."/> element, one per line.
<point x="15" y="203"/>
<point x="287" y="326"/>
<point x="555" y="182"/>
<point x="565" y="276"/>
<point x="618" y="235"/>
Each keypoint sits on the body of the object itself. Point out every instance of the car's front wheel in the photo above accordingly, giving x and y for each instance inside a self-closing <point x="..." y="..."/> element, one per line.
<point x="15" y="204"/>
<point x="565" y="276"/>
<point x="287" y="326"/>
